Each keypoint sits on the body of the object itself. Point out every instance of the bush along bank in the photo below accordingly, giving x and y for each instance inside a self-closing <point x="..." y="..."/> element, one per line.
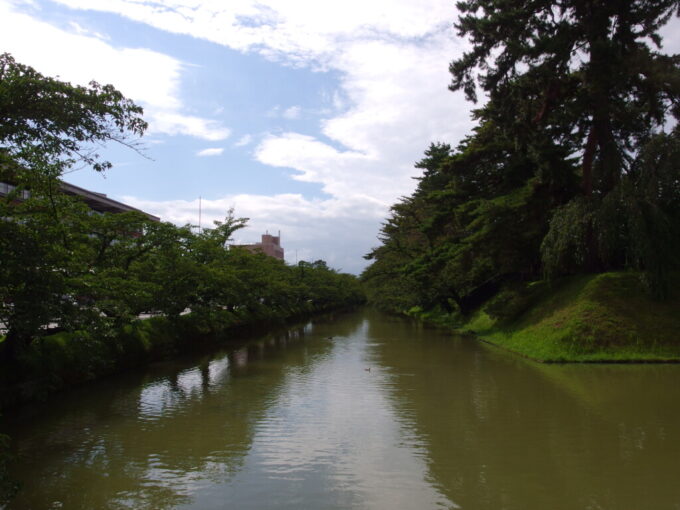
<point x="605" y="318"/>
<point x="55" y="362"/>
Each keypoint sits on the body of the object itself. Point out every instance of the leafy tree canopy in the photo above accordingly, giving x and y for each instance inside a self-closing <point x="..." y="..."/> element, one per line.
<point x="587" y="72"/>
<point x="46" y="121"/>
<point x="571" y="167"/>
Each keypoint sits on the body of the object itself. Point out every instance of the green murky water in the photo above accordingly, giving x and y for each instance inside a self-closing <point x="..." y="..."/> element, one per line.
<point x="296" y="420"/>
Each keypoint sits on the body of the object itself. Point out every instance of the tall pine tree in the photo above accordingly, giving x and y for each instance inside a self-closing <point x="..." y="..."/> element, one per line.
<point x="586" y="76"/>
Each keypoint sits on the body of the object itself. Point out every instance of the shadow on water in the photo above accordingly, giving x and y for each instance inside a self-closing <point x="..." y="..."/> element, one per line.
<point x="504" y="432"/>
<point x="152" y="439"/>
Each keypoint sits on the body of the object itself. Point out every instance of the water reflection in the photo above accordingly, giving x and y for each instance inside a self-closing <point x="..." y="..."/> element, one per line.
<point x="330" y="439"/>
<point x="385" y="414"/>
<point x="152" y="443"/>
<point x="502" y="432"/>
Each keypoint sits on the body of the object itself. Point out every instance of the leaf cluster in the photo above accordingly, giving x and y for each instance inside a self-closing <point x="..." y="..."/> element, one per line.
<point x="78" y="271"/>
<point x="570" y="168"/>
<point x="46" y="121"/>
<point x="66" y="268"/>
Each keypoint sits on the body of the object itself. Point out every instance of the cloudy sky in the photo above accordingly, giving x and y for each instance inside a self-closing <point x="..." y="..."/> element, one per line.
<point x="304" y="115"/>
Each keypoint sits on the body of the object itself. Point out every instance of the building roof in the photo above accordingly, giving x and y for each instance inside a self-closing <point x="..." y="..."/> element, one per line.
<point x="101" y="202"/>
<point x="95" y="201"/>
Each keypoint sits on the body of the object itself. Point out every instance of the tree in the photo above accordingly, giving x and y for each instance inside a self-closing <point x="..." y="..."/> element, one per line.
<point x="36" y="248"/>
<point x="568" y="170"/>
<point x="46" y="126"/>
<point x="474" y="222"/>
<point x="48" y="123"/>
<point x="217" y="285"/>
<point x="581" y="70"/>
<point x="585" y="77"/>
<point x="8" y="486"/>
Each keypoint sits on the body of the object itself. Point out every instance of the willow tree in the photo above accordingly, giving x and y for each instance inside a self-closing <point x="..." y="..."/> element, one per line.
<point x="589" y="77"/>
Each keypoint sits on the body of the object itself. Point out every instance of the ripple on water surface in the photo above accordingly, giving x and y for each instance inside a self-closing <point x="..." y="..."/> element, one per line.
<point x="386" y="415"/>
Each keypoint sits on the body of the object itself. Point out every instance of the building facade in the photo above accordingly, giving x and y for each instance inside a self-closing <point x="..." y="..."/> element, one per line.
<point x="270" y="245"/>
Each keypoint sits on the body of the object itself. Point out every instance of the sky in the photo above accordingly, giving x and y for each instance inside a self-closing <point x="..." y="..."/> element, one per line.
<point x="306" y="116"/>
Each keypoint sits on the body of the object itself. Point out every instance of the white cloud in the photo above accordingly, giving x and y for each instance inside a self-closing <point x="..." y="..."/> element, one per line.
<point x="210" y="152"/>
<point x="671" y="37"/>
<point x="340" y="232"/>
<point x="391" y="101"/>
<point x="243" y="141"/>
<point x="173" y="123"/>
<point x="295" y="32"/>
<point x="292" y="113"/>
<point x="79" y="55"/>
<point x="80" y="30"/>
<point x="346" y="175"/>
<point x="399" y="104"/>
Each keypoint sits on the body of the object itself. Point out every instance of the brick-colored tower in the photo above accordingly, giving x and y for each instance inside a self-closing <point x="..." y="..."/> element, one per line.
<point x="271" y="245"/>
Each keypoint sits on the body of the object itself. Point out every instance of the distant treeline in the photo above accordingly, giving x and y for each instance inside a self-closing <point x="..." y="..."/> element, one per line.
<point x="573" y="167"/>
<point x="66" y="268"/>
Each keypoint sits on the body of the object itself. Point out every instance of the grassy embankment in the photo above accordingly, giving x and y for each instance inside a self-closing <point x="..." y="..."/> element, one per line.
<point x="607" y="317"/>
<point x="57" y="361"/>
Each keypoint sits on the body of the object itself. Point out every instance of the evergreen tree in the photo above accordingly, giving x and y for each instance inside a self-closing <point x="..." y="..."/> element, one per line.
<point x="581" y="70"/>
<point x="587" y="77"/>
<point x="568" y="170"/>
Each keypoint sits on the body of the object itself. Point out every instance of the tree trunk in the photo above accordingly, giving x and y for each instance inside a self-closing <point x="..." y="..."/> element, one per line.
<point x="11" y="347"/>
<point x="610" y="156"/>
<point x="599" y="80"/>
<point x="588" y="156"/>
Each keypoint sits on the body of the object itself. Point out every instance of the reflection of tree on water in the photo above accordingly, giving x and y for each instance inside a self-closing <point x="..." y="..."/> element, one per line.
<point x="501" y="432"/>
<point x="152" y="443"/>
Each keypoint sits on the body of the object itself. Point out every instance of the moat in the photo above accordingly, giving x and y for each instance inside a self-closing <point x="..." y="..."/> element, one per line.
<point x="357" y="410"/>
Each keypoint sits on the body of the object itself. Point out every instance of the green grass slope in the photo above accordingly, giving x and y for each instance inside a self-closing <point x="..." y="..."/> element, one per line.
<point x="594" y="318"/>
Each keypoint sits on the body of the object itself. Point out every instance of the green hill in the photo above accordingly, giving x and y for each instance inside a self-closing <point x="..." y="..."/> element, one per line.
<point x="594" y="318"/>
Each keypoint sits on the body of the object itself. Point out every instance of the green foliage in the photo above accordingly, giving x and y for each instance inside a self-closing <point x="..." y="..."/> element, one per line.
<point x="605" y="317"/>
<point x="607" y="111"/>
<point x="8" y="487"/>
<point x="95" y="273"/>
<point x="568" y="171"/>
<point x="67" y="269"/>
<point x="513" y="300"/>
<point x="634" y="226"/>
<point x="565" y="247"/>
<point x="45" y="121"/>
<point x="452" y="248"/>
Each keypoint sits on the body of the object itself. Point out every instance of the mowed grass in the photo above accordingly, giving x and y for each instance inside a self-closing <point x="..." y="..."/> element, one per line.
<point x="595" y="318"/>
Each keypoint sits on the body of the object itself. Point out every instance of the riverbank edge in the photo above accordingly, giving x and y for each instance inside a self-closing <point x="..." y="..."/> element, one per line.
<point x="57" y="362"/>
<point x="604" y="318"/>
